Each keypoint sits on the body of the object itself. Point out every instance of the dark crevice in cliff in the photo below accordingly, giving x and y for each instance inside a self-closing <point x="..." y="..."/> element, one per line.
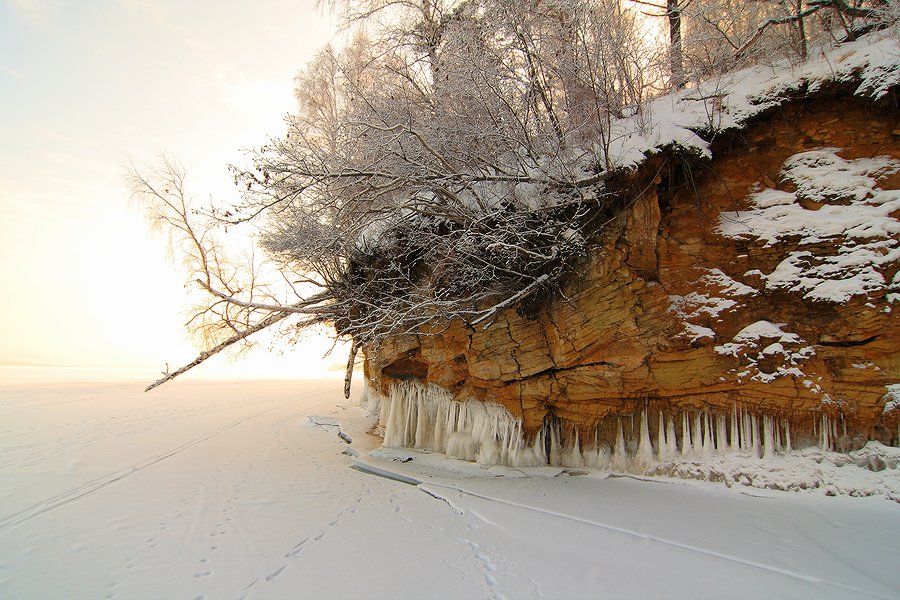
<point x="552" y="371"/>
<point x="408" y="367"/>
<point x="850" y="343"/>
<point x="515" y="348"/>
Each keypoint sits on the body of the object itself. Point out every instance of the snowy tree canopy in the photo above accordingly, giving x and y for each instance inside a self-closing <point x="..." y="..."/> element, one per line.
<point x="448" y="162"/>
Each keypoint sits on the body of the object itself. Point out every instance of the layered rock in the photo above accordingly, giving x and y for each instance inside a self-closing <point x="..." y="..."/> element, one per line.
<point x="759" y="284"/>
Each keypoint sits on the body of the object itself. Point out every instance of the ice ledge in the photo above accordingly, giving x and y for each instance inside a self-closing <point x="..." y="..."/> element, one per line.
<point x="420" y="421"/>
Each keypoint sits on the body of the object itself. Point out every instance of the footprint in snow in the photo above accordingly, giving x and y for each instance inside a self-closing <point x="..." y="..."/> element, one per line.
<point x="487" y="566"/>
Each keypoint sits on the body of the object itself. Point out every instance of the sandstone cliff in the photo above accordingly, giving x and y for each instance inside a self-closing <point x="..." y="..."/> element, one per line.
<point x="746" y="298"/>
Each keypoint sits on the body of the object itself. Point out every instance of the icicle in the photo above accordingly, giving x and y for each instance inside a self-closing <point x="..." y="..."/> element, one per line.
<point x="599" y="458"/>
<point x="423" y="439"/>
<point x="708" y="445"/>
<point x="768" y="437"/>
<point x="514" y="441"/>
<point x="644" y="456"/>
<point x="427" y="417"/>
<point x="620" y="455"/>
<point x="685" y="434"/>
<point x="536" y="454"/>
<point x="776" y="425"/>
<point x="604" y="457"/>
<point x="735" y="436"/>
<point x="754" y="435"/>
<point x="671" y="442"/>
<point x="540" y="446"/>
<point x="393" y="422"/>
<point x="594" y="458"/>
<point x="385" y="412"/>
<point x="661" y="446"/>
<point x="745" y="432"/>
<point x="370" y="399"/>
<point x="696" y="435"/>
<point x="441" y="420"/>
<point x="554" y="456"/>
<point x="577" y="458"/>
<point x="574" y="459"/>
<point x="721" y="435"/>
<point x="406" y="422"/>
<point x="824" y="439"/>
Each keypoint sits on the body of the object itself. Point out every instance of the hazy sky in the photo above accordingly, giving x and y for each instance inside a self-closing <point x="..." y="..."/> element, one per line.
<point x="86" y="85"/>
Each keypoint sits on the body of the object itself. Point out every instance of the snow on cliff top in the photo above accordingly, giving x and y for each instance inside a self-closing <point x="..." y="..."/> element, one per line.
<point x="871" y="63"/>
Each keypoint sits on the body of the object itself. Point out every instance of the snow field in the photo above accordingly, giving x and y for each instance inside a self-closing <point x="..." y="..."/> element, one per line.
<point x="245" y="490"/>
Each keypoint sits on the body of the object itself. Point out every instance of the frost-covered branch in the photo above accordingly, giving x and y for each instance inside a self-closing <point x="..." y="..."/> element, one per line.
<point x="303" y="307"/>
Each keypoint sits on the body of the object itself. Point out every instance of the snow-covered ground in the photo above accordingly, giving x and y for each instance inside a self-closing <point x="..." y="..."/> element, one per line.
<point x="245" y="490"/>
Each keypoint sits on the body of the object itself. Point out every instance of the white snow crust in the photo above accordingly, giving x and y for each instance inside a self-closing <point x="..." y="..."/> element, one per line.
<point x="245" y="490"/>
<point x="892" y="398"/>
<point x="762" y="340"/>
<point x="708" y="307"/>
<point x="862" y="229"/>
<point x="871" y="63"/>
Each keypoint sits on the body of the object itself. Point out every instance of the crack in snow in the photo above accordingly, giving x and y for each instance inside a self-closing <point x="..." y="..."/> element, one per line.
<point x="651" y="538"/>
<point x="23" y="516"/>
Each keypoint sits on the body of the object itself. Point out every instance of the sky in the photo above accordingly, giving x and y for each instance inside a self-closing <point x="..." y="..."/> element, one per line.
<point x="87" y="86"/>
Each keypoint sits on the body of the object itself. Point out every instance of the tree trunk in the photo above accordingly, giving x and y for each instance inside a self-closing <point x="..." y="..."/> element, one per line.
<point x="676" y="61"/>
<point x="801" y="30"/>
<point x="348" y="374"/>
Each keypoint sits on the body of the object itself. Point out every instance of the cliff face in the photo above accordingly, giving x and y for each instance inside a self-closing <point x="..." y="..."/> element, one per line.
<point x="761" y="282"/>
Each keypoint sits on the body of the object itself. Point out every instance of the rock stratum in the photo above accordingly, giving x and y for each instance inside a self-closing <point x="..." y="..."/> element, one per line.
<point x="744" y="297"/>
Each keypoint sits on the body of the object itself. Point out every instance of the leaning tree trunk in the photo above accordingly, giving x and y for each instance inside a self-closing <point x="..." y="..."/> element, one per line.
<point x="348" y="374"/>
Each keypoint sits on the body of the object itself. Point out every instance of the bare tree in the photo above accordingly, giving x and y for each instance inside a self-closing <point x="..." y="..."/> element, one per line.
<point x="236" y="303"/>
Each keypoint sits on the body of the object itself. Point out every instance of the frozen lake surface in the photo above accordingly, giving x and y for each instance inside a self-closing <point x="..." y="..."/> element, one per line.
<point x="231" y="490"/>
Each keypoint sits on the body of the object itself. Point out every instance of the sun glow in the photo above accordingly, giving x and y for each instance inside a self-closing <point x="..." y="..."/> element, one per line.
<point x="86" y="89"/>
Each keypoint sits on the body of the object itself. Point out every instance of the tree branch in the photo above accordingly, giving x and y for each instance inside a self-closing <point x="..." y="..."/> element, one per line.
<point x="301" y="307"/>
<point x="267" y="322"/>
<point x="813" y="8"/>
